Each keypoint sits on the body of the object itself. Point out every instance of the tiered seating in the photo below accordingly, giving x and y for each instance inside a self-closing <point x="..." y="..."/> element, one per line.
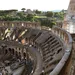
<point x="52" y="50"/>
<point x="43" y="46"/>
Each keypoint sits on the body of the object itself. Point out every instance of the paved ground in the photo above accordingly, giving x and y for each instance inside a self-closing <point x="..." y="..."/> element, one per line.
<point x="16" y="72"/>
<point x="8" y="68"/>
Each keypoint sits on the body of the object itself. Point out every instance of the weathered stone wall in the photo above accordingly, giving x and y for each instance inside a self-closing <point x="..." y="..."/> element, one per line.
<point x="20" y="23"/>
<point x="67" y="41"/>
<point x="54" y="48"/>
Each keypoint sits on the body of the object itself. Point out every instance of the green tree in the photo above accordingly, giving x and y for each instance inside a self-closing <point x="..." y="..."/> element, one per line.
<point x="49" y="14"/>
<point x="29" y="17"/>
<point x="23" y="9"/>
<point x="37" y="12"/>
<point x="59" y="15"/>
<point x="47" y="22"/>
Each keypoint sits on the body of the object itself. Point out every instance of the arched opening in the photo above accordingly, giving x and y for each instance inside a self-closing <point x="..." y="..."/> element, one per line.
<point x="6" y="51"/>
<point x="19" y="55"/>
<point x="26" y="39"/>
<point x="9" y="50"/>
<point x="13" y="51"/>
<point x="24" y="54"/>
<point x="16" y="54"/>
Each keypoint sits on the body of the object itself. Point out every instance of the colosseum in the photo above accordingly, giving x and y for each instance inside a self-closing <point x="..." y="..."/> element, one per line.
<point x="27" y="49"/>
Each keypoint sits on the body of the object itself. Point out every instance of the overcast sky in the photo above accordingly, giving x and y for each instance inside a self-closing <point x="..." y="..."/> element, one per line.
<point x="44" y="5"/>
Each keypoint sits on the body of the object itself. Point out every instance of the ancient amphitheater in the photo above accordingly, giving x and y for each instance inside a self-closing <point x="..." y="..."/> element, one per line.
<point x="27" y="49"/>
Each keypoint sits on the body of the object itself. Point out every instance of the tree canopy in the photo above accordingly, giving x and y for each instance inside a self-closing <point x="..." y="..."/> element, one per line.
<point x="49" y="14"/>
<point x="48" y="18"/>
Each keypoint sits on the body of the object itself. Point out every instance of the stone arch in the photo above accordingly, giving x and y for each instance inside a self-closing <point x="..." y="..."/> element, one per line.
<point x="19" y="55"/>
<point x="16" y="53"/>
<point x="19" y="48"/>
<point x="26" y="38"/>
<point x="9" y="50"/>
<point x="6" y="51"/>
<point x="12" y="51"/>
<point x="24" y="55"/>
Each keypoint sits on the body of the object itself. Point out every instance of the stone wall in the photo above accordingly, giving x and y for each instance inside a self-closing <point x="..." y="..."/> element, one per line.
<point x="20" y="23"/>
<point x="67" y="41"/>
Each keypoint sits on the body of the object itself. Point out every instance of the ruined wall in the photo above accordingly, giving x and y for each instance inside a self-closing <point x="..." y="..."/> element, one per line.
<point x="20" y="23"/>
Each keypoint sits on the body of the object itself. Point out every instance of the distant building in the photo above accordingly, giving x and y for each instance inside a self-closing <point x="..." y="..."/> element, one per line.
<point x="69" y="20"/>
<point x="29" y="11"/>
